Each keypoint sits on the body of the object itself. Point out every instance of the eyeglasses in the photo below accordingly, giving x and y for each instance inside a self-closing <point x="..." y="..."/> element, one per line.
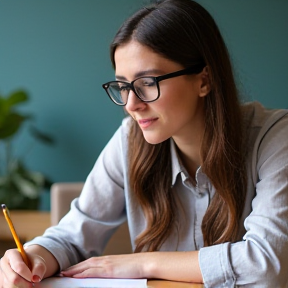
<point x="145" y="88"/>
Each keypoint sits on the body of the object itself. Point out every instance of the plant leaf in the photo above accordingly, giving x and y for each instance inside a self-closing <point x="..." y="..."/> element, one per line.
<point x="26" y="187"/>
<point x="11" y="124"/>
<point x="4" y="110"/>
<point x="17" y="97"/>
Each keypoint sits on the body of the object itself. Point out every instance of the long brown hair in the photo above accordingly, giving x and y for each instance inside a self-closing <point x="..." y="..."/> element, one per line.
<point x="183" y="31"/>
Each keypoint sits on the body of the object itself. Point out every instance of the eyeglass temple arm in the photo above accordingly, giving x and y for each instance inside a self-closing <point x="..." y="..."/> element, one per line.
<point x="190" y="70"/>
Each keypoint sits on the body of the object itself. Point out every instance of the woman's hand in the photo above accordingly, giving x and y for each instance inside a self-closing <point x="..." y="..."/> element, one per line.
<point x="15" y="273"/>
<point x="112" y="266"/>
<point x="177" y="266"/>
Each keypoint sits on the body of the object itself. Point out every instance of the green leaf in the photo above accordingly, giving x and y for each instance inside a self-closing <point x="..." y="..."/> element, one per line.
<point x="36" y="177"/>
<point x="11" y="124"/>
<point x="19" y="187"/>
<point x="3" y="181"/>
<point x="4" y="110"/>
<point x="10" y="121"/>
<point x="26" y="187"/>
<point x="16" y="98"/>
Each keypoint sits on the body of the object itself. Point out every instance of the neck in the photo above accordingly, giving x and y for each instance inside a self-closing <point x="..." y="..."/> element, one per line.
<point x="189" y="152"/>
<point x="191" y="160"/>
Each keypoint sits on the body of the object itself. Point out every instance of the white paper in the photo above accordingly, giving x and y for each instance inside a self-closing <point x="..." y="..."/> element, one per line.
<point x="65" y="282"/>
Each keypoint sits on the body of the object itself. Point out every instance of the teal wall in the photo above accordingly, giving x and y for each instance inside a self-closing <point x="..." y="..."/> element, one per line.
<point x="256" y="32"/>
<point x="57" y="50"/>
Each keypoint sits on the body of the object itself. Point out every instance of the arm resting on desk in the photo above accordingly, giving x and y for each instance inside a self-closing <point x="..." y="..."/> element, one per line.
<point x="177" y="266"/>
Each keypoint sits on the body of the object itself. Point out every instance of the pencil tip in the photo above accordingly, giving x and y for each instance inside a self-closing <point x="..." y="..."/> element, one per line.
<point x="3" y="206"/>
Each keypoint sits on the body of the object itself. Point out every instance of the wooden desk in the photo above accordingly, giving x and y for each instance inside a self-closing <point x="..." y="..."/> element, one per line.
<point x="172" y="284"/>
<point x="28" y="224"/>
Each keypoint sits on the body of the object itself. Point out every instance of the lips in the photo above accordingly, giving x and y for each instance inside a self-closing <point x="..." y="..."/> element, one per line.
<point x="145" y="123"/>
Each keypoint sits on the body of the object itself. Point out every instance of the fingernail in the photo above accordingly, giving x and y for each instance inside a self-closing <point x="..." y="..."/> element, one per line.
<point x="36" y="278"/>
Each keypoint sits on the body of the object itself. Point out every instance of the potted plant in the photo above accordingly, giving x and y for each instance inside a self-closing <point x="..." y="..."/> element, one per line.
<point x="20" y="188"/>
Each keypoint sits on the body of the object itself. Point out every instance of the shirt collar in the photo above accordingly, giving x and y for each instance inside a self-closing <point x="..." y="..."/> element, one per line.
<point x="177" y="167"/>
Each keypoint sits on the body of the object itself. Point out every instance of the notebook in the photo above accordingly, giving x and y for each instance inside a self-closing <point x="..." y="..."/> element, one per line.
<point x="66" y="282"/>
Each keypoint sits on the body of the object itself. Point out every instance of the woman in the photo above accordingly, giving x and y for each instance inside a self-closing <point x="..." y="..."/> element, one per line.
<point x="201" y="179"/>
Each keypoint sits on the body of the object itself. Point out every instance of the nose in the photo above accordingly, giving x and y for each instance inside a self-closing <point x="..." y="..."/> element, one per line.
<point x="134" y="103"/>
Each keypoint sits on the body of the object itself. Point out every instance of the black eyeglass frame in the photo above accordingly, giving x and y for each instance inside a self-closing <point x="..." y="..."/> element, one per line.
<point x="187" y="71"/>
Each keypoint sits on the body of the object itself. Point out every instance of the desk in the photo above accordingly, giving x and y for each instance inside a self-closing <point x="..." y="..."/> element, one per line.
<point x="28" y="225"/>
<point x="171" y="284"/>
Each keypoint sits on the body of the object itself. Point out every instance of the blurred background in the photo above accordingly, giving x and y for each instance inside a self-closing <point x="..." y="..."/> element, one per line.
<point x="58" y="52"/>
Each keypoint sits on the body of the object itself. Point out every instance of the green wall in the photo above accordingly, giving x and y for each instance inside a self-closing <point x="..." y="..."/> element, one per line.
<point x="57" y="50"/>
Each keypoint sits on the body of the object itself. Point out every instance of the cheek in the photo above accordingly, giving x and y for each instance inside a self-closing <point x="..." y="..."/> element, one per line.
<point x="178" y="100"/>
<point x="170" y="97"/>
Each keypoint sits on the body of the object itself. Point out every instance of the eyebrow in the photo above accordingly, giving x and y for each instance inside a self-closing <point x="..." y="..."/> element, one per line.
<point x="149" y="72"/>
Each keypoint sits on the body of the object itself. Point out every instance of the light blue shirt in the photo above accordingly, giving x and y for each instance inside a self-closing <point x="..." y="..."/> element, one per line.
<point x="258" y="259"/>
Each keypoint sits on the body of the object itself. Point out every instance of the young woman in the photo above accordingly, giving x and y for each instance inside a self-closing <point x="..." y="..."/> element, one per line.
<point x="201" y="179"/>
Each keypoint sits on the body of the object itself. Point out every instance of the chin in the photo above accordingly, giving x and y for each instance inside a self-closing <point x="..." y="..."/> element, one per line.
<point x="154" y="140"/>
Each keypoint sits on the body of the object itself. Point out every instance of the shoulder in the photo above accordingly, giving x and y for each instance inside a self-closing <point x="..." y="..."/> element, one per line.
<point x="256" y="115"/>
<point x="258" y="121"/>
<point x="266" y="137"/>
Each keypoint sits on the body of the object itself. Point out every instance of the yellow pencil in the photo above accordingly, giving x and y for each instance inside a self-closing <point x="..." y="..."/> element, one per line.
<point x="15" y="236"/>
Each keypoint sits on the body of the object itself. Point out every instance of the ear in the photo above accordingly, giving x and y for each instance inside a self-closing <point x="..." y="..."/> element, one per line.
<point x="205" y="87"/>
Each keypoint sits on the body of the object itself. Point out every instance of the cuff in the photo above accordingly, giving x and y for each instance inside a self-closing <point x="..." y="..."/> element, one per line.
<point x="215" y="266"/>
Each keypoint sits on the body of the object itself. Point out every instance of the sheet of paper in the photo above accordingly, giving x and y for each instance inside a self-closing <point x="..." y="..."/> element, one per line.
<point x="65" y="282"/>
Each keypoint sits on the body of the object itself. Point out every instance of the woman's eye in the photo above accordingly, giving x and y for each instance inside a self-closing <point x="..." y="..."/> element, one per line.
<point x="148" y="82"/>
<point x="123" y="88"/>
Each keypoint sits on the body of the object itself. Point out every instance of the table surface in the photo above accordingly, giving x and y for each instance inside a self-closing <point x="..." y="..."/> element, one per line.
<point x="28" y="224"/>
<point x="172" y="284"/>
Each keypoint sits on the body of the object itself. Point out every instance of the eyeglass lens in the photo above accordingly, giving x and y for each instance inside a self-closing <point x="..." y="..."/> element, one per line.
<point x="145" y="88"/>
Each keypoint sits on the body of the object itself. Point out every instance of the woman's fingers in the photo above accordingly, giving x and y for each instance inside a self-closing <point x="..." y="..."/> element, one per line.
<point x="114" y="266"/>
<point x="86" y="269"/>
<point x="79" y="268"/>
<point x="1" y="276"/>
<point x="13" y="266"/>
<point x="92" y="272"/>
<point x="38" y="268"/>
<point x="15" y="273"/>
<point x="10" y="279"/>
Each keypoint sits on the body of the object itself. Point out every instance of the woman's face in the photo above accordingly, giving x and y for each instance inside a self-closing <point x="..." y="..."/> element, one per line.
<point x="179" y="111"/>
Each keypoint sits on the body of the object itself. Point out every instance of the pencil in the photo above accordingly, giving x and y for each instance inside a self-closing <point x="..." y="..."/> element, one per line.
<point x="15" y="236"/>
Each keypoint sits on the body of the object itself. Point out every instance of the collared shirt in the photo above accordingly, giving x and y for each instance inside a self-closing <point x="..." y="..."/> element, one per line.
<point x="258" y="259"/>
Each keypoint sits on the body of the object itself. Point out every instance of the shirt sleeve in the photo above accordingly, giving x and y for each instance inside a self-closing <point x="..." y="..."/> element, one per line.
<point x="95" y="215"/>
<point x="261" y="258"/>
